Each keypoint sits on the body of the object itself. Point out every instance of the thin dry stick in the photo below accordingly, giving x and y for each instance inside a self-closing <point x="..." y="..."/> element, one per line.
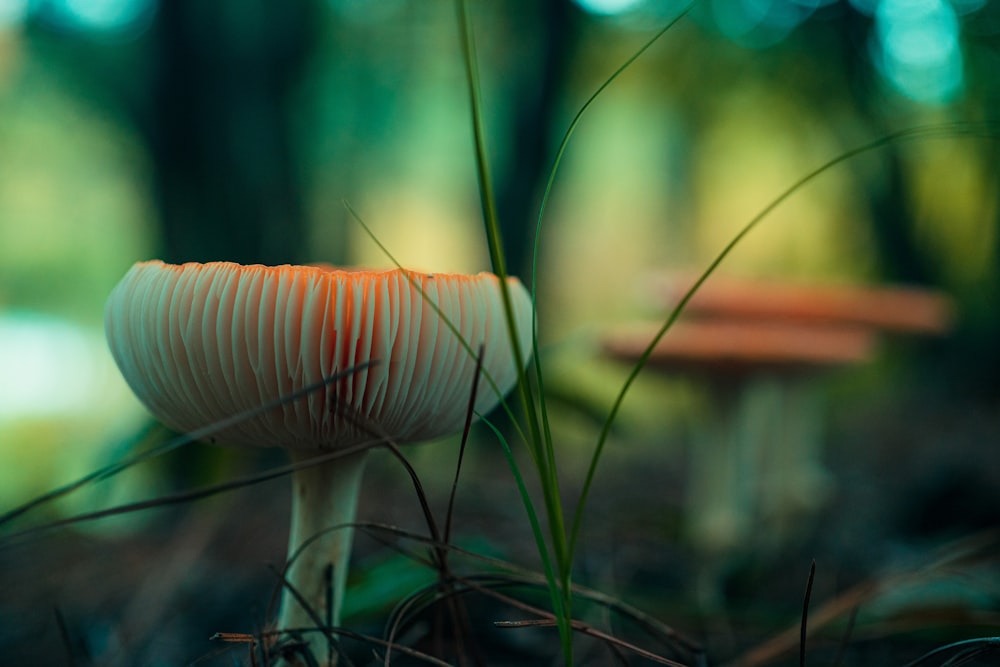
<point x="805" y="614"/>
<point x="457" y="612"/>
<point x="456" y="605"/>
<point x="380" y="438"/>
<point x="185" y="496"/>
<point x="467" y="428"/>
<point x="65" y="638"/>
<point x="415" y="601"/>
<point x="331" y="632"/>
<point x="215" y="654"/>
<point x="546" y="618"/>
<point x="320" y="626"/>
<point x="964" y="551"/>
<point x="526" y="577"/>
<point x="846" y="639"/>
<point x="832" y="610"/>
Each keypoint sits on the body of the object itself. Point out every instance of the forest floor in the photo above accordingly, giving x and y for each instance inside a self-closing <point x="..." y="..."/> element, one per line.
<point x="906" y="551"/>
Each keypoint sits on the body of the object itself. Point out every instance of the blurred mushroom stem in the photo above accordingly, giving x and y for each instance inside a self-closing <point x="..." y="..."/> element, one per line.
<point x="324" y="501"/>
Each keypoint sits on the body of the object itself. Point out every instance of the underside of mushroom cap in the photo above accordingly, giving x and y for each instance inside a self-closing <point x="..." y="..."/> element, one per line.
<point x="200" y="343"/>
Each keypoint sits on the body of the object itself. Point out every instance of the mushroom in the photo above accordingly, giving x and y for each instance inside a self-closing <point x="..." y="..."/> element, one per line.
<point x="200" y="343"/>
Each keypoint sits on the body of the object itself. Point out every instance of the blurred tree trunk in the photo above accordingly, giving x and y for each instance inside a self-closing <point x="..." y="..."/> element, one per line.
<point x="900" y="260"/>
<point x="219" y="129"/>
<point x="217" y="119"/>
<point x="974" y="350"/>
<point x="889" y="200"/>
<point x="970" y="357"/>
<point x="548" y="30"/>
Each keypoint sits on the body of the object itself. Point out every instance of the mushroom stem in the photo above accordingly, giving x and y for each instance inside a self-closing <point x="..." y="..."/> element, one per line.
<point x="324" y="499"/>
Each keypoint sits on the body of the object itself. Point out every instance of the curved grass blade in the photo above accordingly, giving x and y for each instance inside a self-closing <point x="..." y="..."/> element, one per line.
<point x="564" y="144"/>
<point x="543" y="461"/>
<point x="189" y="495"/>
<point x="547" y="193"/>
<point x="536" y="527"/>
<point x="966" y="650"/>
<point x="548" y="445"/>
<point x="175" y="443"/>
<point x="944" y="130"/>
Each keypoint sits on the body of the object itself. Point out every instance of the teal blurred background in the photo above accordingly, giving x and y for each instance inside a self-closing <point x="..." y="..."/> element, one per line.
<point x="235" y="130"/>
<point x="132" y="129"/>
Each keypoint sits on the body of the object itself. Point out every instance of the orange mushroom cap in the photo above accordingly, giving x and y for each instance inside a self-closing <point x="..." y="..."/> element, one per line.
<point x="199" y="343"/>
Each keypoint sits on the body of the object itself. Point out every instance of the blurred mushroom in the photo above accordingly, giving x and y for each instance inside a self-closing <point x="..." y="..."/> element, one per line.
<point x="199" y="343"/>
<point x="895" y="309"/>
<point x="755" y="469"/>
<point x="756" y="474"/>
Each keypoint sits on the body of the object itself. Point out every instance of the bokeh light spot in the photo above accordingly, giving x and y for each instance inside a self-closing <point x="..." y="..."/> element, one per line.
<point x="608" y="7"/>
<point x="107" y="16"/>
<point x="917" y="48"/>
<point x="12" y="12"/>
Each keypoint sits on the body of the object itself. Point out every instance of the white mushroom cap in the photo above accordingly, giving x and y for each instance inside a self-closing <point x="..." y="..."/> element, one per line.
<point x="199" y="343"/>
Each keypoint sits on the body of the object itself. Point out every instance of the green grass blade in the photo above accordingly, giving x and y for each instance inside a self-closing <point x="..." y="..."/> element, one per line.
<point x="557" y="594"/>
<point x="542" y="454"/>
<point x="546" y="435"/>
<point x="564" y="144"/>
<point x="548" y="474"/>
<point x="488" y="202"/>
